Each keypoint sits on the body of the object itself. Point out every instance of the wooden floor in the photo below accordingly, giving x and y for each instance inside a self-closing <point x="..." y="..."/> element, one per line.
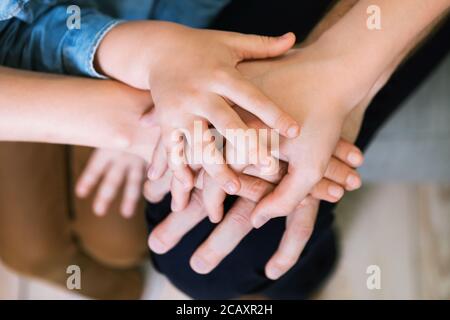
<point x="404" y="229"/>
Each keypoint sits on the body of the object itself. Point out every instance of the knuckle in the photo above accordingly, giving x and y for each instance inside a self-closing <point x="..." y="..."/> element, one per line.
<point x="282" y="122"/>
<point x="303" y="232"/>
<point x="240" y="218"/>
<point x="265" y="40"/>
<point x="190" y="99"/>
<point x="334" y="169"/>
<point x="220" y="174"/>
<point x="256" y="188"/>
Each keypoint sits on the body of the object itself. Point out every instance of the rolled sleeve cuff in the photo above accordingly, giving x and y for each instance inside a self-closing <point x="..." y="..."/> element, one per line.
<point x="80" y="45"/>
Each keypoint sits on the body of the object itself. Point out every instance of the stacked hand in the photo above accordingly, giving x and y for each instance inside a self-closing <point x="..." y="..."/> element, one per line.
<point x="213" y="89"/>
<point x="193" y="79"/>
<point x="319" y="166"/>
<point x="236" y="224"/>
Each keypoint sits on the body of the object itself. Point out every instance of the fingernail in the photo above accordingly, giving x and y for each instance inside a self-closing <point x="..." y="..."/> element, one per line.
<point x="216" y="217"/>
<point x="99" y="209"/>
<point x="151" y="173"/>
<point x="154" y="175"/>
<point x="231" y="187"/>
<point x="353" y="182"/>
<point x="354" y="158"/>
<point x="199" y="265"/>
<point x="127" y="211"/>
<point x="274" y="273"/>
<point x="174" y="206"/>
<point x="156" y="245"/>
<point x="335" y="191"/>
<point x="259" y="221"/>
<point x="293" y="131"/>
<point x="81" y="192"/>
<point x="286" y="35"/>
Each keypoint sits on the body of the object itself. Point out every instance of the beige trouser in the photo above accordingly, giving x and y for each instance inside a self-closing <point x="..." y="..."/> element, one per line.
<point x="44" y="228"/>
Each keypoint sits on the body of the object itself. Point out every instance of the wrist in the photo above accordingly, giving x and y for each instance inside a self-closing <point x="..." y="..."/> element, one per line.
<point x="126" y="53"/>
<point x="345" y="85"/>
<point x="109" y="117"/>
<point x="126" y="131"/>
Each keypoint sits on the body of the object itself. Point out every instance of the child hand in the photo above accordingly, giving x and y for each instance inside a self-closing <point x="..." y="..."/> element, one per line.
<point x="111" y="169"/>
<point x="192" y="76"/>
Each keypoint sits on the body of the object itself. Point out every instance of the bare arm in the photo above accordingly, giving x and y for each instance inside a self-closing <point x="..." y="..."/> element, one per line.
<point x="56" y="109"/>
<point x="404" y="23"/>
<point x="339" y="10"/>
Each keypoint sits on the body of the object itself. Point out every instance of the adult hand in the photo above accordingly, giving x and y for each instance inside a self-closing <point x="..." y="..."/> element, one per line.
<point x="339" y="175"/>
<point x="305" y="83"/>
<point x="237" y="222"/>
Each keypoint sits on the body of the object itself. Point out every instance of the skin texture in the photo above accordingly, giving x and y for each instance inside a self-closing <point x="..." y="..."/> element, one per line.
<point x="237" y="223"/>
<point x="106" y="115"/>
<point x="323" y="113"/>
<point x="206" y="81"/>
<point x="37" y="118"/>
<point x="342" y="50"/>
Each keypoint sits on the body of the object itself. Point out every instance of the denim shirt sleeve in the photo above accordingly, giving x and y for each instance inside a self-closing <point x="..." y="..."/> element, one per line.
<point x="34" y="35"/>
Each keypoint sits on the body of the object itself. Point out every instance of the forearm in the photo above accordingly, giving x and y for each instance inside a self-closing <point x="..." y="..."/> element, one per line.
<point x="337" y="12"/>
<point x="57" y="109"/>
<point x="377" y="52"/>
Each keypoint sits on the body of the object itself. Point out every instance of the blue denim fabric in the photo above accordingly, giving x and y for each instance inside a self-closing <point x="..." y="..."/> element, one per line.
<point x="34" y="34"/>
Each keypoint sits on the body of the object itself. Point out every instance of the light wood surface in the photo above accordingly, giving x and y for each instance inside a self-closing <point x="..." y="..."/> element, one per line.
<point x="402" y="228"/>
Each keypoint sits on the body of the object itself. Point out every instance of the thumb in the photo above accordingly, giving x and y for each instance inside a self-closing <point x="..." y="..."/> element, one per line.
<point x="262" y="47"/>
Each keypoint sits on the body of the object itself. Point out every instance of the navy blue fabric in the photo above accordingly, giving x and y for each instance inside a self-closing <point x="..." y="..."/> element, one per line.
<point x="242" y="272"/>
